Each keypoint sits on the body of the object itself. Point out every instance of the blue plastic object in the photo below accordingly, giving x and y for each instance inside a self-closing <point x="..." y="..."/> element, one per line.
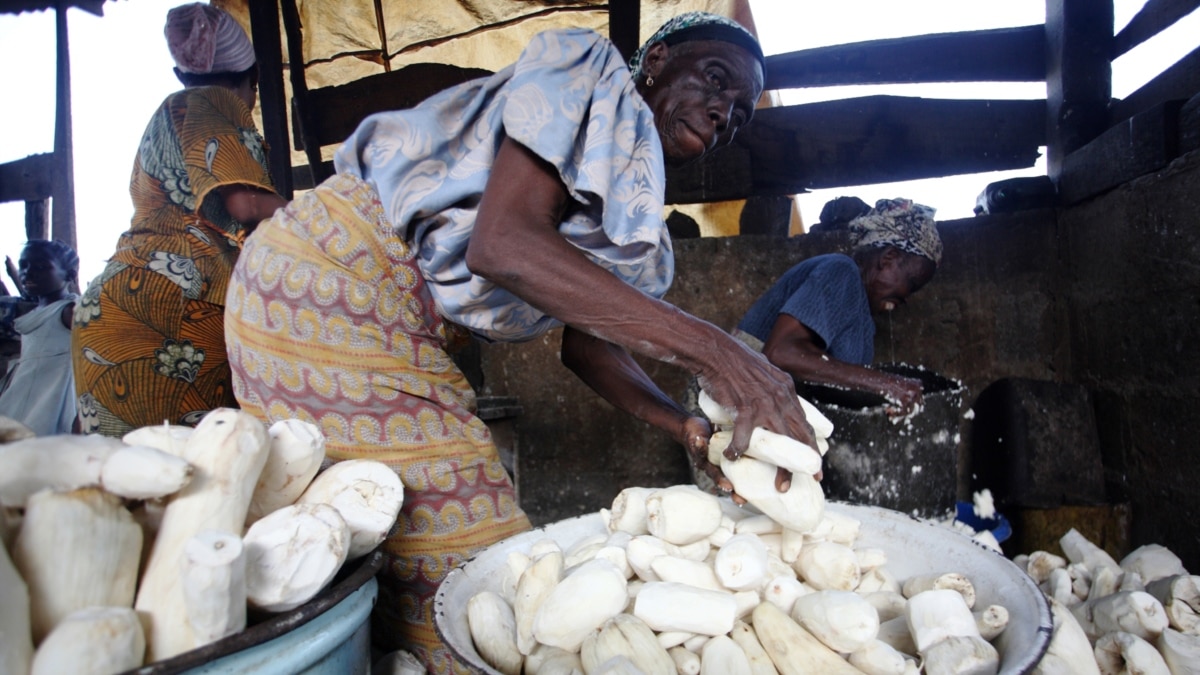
<point x="328" y="635"/>
<point x="999" y="526"/>
<point x="336" y="642"/>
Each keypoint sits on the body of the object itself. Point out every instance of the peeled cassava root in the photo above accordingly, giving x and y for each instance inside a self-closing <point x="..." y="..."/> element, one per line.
<point x="83" y="514"/>
<point x="213" y="572"/>
<point x="723" y="603"/>
<point x="67" y="462"/>
<point x="92" y="641"/>
<point x="296" y="450"/>
<point x="367" y="494"/>
<point x="292" y="553"/>
<point x="798" y="508"/>
<point x="16" y="639"/>
<point x="228" y="450"/>
<point x="1108" y="618"/>
<point x="76" y="550"/>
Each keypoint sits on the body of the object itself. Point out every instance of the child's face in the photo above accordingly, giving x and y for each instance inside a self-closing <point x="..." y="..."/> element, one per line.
<point x="41" y="274"/>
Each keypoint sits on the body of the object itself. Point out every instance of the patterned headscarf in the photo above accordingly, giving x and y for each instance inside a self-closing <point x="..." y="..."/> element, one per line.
<point x="699" y="26"/>
<point x="204" y="39"/>
<point x="901" y="223"/>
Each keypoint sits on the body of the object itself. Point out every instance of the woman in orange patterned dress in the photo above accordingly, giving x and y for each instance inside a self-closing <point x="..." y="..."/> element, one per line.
<point x="148" y="336"/>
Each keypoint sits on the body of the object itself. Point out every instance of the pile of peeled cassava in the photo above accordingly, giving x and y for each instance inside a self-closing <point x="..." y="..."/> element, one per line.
<point x="682" y="581"/>
<point x="1139" y="616"/>
<point x="122" y="552"/>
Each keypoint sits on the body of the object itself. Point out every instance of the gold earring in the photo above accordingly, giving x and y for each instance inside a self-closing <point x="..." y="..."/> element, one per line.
<point x="649" y="80"/>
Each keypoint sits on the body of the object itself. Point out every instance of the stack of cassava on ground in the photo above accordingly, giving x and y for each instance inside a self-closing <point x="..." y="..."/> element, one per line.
<point x="120" y="552"/>
<point x="1141" y="615"/>
<point x="683" y="581"/>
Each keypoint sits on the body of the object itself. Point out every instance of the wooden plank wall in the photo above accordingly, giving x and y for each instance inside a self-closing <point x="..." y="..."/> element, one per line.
<point x="876" y="139"/>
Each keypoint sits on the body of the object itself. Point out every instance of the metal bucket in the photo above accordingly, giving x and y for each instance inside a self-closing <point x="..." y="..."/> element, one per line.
<point x="328" y="635"/>
<point x="908" y="465"/>
<point x="912" y="546"/>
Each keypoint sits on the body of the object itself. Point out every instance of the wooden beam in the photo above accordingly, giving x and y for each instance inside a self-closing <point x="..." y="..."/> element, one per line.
<point x="624" y="26"/>
<point x="771" y="216"/>
<point x="1078" y="75"/>
<point x="268" y="50"/>
<point x="37" y="219"/>
<point x="1180" y="81"/>
<point x="28" y="179"/>
<point x="302" y="112"/>
<point x="62" y="209"/>
<point x="876" y="139"/>
<point x="1144" y="143"/>
<point x="1153" y="18"/>
<point x="337" y="110"/>
<point x="1000" y="55"/>
<point x="302" y="175"/>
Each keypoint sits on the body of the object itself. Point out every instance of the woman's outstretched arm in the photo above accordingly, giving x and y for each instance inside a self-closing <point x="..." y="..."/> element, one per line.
<point x="516" y="244"/>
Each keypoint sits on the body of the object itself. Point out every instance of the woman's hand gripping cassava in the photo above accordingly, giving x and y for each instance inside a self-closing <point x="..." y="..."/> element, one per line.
<point x="760" y="395"/>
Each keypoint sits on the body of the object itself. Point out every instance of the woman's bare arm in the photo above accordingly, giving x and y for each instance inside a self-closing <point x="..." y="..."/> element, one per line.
<point x="611" y="372"/>
<point x="797" y="350"/>
<point x="516" y="244"/>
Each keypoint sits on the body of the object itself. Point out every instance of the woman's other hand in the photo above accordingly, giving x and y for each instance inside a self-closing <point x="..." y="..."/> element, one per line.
<point x="15" y="275"/>
<point x="903" y="394"/>
<point x="696" y="433"/>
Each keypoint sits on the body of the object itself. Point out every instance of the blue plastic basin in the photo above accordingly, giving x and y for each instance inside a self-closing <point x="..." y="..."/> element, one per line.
<point x="329" y="635"/>
<point x="999" y="526"/>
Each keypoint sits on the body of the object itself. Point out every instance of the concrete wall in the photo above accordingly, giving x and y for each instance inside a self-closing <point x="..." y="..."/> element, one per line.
<point x="1134" y="261"/>
<point x="575" y="451"/>
<point x="1104" y="294"/>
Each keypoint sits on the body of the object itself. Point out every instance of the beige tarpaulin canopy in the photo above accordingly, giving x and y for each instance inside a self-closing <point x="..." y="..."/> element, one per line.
<point x="346" y="40"/>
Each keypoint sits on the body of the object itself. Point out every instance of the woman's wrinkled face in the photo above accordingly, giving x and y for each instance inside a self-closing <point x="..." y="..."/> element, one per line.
<point x="703" y="92"/>
<point x="894" y="277"/>
<point x="40" y="273"/>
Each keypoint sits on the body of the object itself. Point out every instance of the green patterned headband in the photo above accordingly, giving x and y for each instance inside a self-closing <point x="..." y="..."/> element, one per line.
<point x="699" y="26"/>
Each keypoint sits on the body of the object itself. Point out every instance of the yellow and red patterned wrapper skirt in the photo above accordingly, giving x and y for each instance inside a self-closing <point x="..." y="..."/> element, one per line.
<point x="329" y="320"/>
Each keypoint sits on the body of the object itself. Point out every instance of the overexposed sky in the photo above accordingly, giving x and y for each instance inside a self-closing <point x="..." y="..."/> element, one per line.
<point x="121" y="71"/>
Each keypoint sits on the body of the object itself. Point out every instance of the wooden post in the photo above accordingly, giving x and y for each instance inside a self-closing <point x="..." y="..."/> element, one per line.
<point x="63" y="211"/>
<point x="301" y="109"/>
<point x="37" y="218"/>
<point x="624" y="26"/>
<point x="1079" y="35"/>
<point x="766" y="214"/>
<point x="268" y="50"/>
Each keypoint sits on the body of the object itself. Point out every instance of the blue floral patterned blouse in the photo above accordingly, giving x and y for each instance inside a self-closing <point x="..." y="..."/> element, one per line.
<point x="570" y="99"/>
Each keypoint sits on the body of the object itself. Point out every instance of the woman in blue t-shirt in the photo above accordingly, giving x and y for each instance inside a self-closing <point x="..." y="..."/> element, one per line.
<point x="816" y="321"/>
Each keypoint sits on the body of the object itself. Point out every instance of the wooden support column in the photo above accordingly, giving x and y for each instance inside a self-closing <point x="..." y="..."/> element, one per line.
<point x="301" y="108"/>
<point x="624" y="26"/>
<point x="37" y="219"/>
<point x="268" y="50"/>
<point x="63" y="209"/>
<point x="1079" y="37"/>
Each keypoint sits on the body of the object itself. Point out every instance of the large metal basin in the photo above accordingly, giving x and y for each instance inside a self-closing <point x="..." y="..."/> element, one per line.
<point x="913" y="546"/>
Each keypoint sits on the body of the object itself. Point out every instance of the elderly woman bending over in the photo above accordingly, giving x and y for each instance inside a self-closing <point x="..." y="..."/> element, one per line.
<point x="498" y="210"/>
